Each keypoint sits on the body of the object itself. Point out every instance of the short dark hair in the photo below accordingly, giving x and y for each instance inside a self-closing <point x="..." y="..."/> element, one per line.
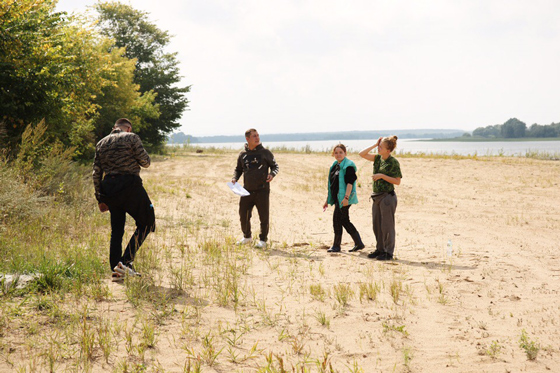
<point x="123" y="122"/>
<point x="249" y="131"/>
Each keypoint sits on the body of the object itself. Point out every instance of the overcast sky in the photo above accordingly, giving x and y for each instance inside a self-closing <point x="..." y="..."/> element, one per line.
<point x="317" y="66"/>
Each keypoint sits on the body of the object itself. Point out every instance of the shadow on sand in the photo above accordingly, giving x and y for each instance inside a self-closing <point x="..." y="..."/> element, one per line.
<point x="425" y="264"/>
<point x="435" y="265"/>
<point x="299" y="250"/>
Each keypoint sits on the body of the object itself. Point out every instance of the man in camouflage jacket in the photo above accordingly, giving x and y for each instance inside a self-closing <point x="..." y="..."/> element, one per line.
<point x="119" y="189"/>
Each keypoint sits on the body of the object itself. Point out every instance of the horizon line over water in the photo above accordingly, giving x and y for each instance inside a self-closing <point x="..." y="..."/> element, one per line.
<point x="414" y="146"/>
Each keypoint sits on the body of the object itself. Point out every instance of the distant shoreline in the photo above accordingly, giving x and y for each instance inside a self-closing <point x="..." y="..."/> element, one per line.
<point x="484" y="139"/>
<point x="182" y="138"/>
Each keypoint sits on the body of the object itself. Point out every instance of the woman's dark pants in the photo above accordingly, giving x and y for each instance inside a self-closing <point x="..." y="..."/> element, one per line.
<point x="341" y="218"/>
<point x="383" y="216"/>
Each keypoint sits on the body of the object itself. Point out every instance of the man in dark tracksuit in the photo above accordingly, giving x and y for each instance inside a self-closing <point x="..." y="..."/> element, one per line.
<point x="118" y="189"/>
<point x="258" y="167"/>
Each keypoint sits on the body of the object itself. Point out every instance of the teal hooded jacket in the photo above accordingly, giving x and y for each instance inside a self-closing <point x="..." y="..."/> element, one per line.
<point x="353" y="198"/>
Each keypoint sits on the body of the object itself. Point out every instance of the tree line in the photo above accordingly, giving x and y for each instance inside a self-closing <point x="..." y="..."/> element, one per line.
<point x="181" y="138"/>
<point x="514" y="128"/>
<point x="77" y="74"/>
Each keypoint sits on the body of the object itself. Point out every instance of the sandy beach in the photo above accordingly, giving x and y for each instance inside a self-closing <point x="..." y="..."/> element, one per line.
<point x="294" y="307"/>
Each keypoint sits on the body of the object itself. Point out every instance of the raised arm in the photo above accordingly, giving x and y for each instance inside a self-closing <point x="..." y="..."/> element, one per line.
<point x="366" y="152"/>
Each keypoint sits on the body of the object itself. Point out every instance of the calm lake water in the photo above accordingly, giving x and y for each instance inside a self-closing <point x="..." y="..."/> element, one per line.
<point x="507" y="148"/>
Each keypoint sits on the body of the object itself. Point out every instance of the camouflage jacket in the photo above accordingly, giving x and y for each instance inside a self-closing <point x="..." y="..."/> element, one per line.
<point x="119" y="153"/>
<point x="389" y="167"/>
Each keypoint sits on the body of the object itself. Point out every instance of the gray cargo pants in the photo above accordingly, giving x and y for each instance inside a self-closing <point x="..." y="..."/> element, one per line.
<point x="383" y="218"/>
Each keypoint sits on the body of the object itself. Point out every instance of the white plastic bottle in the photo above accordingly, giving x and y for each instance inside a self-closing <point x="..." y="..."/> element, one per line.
<point x="449" y="248"/>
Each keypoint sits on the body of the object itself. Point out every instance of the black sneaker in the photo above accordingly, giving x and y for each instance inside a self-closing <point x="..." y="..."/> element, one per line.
<point x="334" y="249"/>
<point x="357" y="248"/>
<point x="384" y="256"/>
<point x="374" y="254"/>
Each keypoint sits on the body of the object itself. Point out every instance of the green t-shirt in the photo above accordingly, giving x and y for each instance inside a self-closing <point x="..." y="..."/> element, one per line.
<point x="389" y="167"/>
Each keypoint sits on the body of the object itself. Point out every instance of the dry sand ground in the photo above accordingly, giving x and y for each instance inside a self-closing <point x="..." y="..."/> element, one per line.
<point x="430" y="314"/>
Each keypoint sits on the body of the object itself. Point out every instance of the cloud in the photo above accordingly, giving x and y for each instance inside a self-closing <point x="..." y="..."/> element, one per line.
<point x="326" y="65"/>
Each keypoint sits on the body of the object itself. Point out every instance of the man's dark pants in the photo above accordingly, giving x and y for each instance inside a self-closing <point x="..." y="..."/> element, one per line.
<point x="133" y="200"/>
<point x="260" y="199"/>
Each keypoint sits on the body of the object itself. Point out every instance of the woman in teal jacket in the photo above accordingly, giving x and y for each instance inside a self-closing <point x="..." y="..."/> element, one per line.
<point x="342" y="194"/>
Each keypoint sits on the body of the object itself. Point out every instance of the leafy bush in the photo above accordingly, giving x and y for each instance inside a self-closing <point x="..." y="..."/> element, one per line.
<point x="43" y="194"/>
<point x="49" y="170"/>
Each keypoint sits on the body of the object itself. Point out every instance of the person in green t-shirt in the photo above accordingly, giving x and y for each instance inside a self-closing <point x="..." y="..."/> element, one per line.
<point x="386" y="174"/>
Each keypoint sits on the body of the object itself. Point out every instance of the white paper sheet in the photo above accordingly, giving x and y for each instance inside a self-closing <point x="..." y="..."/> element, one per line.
<point x="237" y="189"/>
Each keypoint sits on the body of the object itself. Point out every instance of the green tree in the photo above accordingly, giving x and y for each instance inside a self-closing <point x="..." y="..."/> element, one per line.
<point x="479" y="132"/>
<point x="122" y="97"/>
<point x="513" y="128"/>
<point x="556" y="127"/>
<point x="488" y="131"/>
<point x="61" y="69"/>
<point x="537" y="130"/>
<point x="156" y="71"/>
<point x="32" y="78"/>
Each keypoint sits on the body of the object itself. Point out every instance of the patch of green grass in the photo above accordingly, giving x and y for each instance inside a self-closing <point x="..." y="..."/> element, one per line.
<point x="369" y="291"/>
<point x="317" y="292"/>
<point x="322" y="318"/>
<point x="530" y="347"/>
<point x="396" y="290"/>
<point x="408" y="355"/>
<point x="388" y="327"/>
<point x="343" y="294"/>
<point x="494" y="350"/>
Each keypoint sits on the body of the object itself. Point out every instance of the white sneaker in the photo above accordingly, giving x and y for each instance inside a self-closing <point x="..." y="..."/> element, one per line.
<point x="125" y="270"/>
<point x="244" y="241"/>
<point x="260" y="245"/>
<point x="117" y="277"/>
